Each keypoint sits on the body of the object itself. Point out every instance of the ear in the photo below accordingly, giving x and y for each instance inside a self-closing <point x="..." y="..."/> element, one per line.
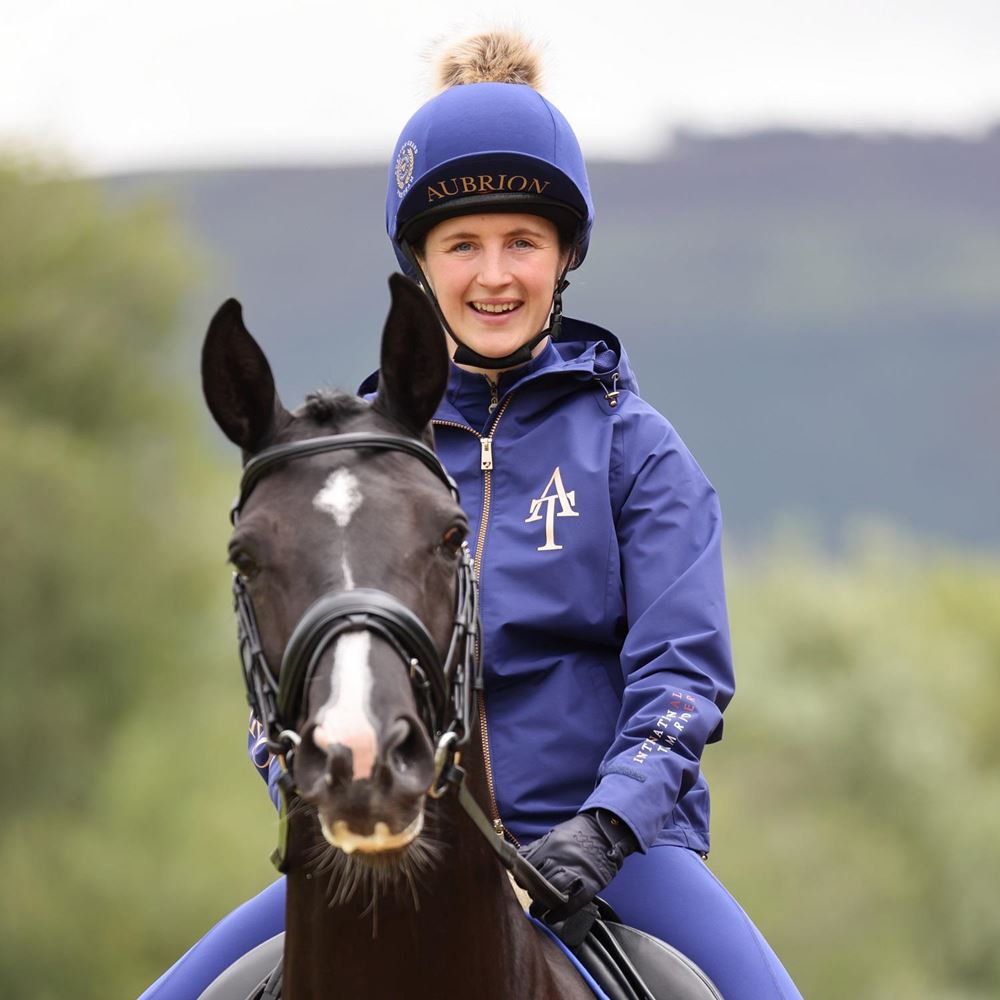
<point x="237" y="381"/>
<point x="414" y="369"/>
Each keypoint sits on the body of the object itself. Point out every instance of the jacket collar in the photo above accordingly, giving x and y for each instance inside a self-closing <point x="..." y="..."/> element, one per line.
<point x="583" y="352"/>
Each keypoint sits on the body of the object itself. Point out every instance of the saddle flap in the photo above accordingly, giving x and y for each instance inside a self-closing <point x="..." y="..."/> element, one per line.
<point x="247" y="975"/>
<point x="667" y="973"/>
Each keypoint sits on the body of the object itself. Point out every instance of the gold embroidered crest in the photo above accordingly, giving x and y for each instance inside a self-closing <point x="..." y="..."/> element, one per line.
<point x="404" y="166"/>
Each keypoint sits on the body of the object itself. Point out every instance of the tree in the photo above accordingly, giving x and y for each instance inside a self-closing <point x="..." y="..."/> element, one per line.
<point x="117" y="678"/>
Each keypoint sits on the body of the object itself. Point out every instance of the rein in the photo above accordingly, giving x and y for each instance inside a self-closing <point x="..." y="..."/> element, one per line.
<point x="446" y="688"/>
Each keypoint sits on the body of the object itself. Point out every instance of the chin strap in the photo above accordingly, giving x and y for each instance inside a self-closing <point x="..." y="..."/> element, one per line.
<point x="555" y="322"/>
<point x="465" y="355"/>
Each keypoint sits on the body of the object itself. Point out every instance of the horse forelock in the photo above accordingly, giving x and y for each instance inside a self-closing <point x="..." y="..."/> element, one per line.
<point x="330" y="407"/>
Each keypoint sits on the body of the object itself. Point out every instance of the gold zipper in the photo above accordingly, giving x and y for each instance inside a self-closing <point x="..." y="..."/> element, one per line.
<point x="486" y="464"/>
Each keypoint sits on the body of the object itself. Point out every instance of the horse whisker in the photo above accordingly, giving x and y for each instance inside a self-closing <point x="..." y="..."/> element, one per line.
<point x="407" y="871"/>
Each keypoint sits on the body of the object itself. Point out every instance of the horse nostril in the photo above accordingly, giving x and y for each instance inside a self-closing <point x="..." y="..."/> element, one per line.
<point x="405" y="745"/>
<point x="339" y="765"/>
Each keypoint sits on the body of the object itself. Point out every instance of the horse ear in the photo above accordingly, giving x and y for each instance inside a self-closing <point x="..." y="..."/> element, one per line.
<point x="414" y="367"/>
<point x="237" y="381"/>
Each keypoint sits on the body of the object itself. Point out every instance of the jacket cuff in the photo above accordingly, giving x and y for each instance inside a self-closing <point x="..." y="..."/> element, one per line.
<point x="616" y="793"/>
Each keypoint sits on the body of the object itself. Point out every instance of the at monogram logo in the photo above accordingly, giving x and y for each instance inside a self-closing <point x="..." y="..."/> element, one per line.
<point x="553" y="493"/>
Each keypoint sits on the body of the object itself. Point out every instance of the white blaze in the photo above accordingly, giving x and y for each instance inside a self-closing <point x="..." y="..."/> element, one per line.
<point x="345" y="718"/>
<point x="340" y="496"/>
<point x="345" y="568"/>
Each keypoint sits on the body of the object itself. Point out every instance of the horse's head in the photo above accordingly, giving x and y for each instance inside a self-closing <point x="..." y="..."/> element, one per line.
<point x="349" y="559"/>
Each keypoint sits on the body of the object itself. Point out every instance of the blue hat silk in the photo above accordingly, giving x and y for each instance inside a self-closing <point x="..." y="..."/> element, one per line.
<point x="484" y="143"/>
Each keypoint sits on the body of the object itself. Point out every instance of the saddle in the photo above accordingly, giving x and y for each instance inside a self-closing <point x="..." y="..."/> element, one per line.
<point x="621" y="961"/>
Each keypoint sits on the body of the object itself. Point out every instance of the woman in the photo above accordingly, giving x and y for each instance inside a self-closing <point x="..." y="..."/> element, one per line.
<point x="595" y="534"/>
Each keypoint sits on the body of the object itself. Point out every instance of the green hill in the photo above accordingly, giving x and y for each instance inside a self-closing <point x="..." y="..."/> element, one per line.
<point x="819" y="314"/>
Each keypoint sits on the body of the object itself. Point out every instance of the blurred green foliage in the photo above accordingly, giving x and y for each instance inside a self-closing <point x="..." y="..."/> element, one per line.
<point x="119" y="685"/>
<point x="857" y="795"/>
<point x="857" y="813"/>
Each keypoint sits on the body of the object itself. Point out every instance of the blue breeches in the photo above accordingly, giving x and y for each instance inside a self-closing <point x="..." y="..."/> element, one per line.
<point x="671" y="893"/>
<point x="234" y="935"/>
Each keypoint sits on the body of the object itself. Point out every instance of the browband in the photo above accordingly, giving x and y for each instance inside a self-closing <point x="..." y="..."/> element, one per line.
<point x="264" y="461"/>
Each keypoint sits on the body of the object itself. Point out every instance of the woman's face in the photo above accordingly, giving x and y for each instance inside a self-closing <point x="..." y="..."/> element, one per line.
<point x="494" y="276"/>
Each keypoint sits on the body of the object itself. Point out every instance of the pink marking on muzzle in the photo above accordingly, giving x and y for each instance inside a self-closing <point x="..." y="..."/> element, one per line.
<point x="345" y="718"/>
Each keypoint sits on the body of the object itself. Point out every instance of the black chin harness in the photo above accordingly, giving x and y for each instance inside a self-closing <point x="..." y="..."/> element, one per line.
<point x="446" y="687"/>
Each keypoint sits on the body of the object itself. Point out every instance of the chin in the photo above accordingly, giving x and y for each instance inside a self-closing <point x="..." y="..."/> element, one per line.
<point x="494" y="347"/>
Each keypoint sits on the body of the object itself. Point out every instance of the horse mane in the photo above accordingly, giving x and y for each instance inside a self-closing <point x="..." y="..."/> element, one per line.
<point x="331" y="406"/>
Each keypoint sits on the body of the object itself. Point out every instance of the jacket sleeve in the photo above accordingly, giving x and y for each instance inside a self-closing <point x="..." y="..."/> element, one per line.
<point x="264" y="762"/>
<point x="675" y="658"/>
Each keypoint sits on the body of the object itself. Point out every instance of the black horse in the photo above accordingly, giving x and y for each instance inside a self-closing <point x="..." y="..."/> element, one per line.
<point x="391" y="893"/>
<point x="352" y="574"/>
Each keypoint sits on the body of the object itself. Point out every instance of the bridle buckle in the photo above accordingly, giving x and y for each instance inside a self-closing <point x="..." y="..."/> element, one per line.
<point x="446" y="770"/>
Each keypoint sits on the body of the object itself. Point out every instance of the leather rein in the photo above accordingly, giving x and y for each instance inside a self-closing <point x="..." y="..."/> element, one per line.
<point x="447" y="687"/>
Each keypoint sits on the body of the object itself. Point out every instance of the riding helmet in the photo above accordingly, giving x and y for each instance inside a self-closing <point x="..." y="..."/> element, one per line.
<point x="489" y="142"/>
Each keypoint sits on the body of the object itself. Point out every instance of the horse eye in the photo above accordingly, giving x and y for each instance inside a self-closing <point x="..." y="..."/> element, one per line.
<point x="244" y="565"/>
<point x="452" y="539"/>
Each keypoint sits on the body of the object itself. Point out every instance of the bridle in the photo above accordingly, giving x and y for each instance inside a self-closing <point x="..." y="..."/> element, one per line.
<point x="446" y="687"/>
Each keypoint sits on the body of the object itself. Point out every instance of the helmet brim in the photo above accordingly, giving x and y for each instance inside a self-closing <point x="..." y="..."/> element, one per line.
<point x="565" y="219"/>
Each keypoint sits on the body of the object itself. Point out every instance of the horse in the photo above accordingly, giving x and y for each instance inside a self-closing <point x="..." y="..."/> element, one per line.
<point x="351" y="572"/>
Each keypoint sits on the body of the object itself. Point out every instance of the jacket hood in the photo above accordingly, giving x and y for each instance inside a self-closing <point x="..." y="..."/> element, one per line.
<point x="586" y="346"/>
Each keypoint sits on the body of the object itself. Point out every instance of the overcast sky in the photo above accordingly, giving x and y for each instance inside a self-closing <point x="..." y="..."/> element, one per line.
<point x="123" y="84"/>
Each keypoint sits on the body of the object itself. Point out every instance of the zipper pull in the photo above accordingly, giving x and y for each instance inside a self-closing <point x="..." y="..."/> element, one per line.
<point x="498" y="827"/>
<point x="486" y="445"/>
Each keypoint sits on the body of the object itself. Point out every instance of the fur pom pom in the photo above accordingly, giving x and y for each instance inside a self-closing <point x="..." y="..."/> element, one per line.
<point x="497" y="56"/>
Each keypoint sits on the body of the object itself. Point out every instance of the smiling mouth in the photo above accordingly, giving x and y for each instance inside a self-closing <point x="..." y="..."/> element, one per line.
<point x="494" y="308"/>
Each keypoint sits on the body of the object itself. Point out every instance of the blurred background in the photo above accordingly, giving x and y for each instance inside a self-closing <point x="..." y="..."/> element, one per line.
<point x="798" y="239"/>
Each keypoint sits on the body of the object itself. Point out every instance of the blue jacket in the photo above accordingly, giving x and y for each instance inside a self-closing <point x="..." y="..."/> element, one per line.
<point x="596" y="537"/>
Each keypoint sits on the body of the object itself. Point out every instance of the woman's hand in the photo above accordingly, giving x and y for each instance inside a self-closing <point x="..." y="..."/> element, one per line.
<point x="581" y="856"/>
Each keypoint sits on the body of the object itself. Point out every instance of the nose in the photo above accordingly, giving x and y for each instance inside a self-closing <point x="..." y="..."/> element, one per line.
<point x="402" y="762"/>
<point x="494" y="271"/>
<point x="347" y="739"/>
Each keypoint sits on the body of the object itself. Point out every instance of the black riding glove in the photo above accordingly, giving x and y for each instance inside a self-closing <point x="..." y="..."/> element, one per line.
<point x="581" y="856"/>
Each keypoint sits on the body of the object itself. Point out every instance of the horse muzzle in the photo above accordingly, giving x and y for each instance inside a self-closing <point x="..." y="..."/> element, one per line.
<point x="367" y="782"/>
